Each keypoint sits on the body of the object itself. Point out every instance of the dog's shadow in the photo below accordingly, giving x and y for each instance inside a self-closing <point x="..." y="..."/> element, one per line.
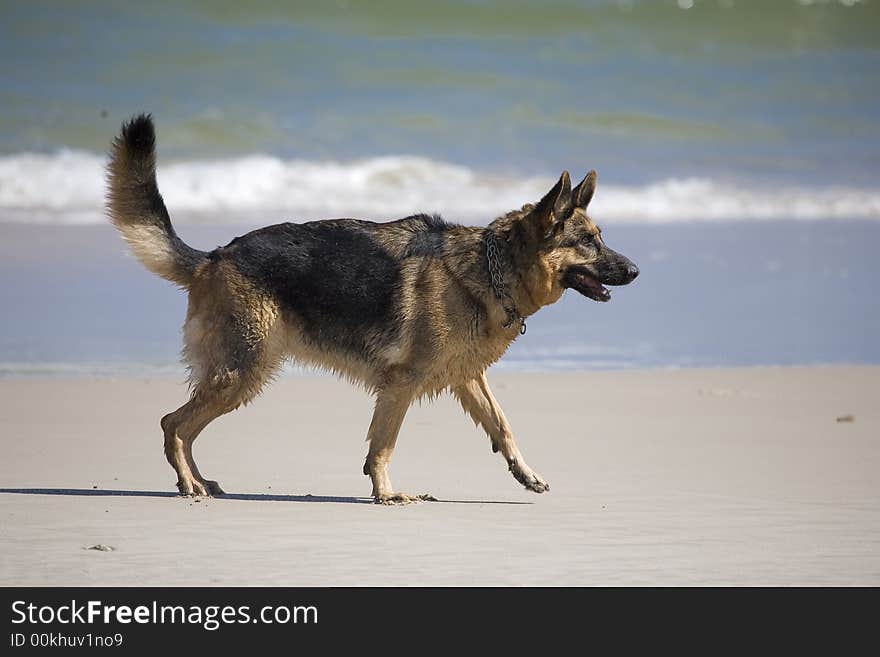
<point x="247" y="497"/>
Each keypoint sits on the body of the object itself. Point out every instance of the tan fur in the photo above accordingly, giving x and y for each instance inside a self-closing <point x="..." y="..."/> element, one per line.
<point x="234" y="343"/>
<point x="452" y="331"/>
<point x="449" y="323"/>
<point x="135" y="207"/>
<point x="235" y="340"/>
<point x="148" y="245"/>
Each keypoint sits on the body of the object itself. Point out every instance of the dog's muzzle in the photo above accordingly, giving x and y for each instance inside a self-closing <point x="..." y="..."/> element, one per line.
<point x="611" y="269"/>
<point x="582" y="280"/>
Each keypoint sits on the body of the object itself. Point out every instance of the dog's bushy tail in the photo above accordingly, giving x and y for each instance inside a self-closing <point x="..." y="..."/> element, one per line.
<point x="136" y="208"/>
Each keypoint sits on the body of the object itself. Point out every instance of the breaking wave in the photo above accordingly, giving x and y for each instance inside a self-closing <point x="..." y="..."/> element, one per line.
<point x="68" y="188"/>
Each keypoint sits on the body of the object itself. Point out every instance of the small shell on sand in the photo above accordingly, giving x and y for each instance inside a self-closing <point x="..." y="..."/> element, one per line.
<point x="846" y="418"/>
<point x="100" y="547"/>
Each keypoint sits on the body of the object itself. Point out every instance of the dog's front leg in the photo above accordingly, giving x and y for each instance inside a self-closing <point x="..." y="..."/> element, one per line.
<point x="391" y="407"/>
<point x="478" y="401"/>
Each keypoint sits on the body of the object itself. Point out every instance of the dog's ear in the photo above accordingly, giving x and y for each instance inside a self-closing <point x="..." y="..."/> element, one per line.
<point x="583" y="193"/>
<point x="555" y="207"/>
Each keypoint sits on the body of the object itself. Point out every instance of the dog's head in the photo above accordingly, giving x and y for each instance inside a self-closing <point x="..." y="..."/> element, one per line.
<point x="566" y="248"/>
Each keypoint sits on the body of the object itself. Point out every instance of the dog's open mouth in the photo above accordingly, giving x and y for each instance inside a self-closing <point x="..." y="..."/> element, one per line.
<point x="584" y="282"/>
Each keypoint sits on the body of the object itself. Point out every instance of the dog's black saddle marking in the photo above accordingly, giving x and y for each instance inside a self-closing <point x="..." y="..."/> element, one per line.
<point x="333" y="275"/>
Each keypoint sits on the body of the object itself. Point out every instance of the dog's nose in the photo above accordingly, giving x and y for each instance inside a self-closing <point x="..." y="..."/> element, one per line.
<point x="632" y="271"/>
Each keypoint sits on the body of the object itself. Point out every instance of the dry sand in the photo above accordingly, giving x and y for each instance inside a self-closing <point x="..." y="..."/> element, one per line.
<point x="658" y="478"/>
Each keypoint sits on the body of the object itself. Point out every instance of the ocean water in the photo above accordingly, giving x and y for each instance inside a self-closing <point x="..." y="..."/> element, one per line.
<point x="737" y="144"/>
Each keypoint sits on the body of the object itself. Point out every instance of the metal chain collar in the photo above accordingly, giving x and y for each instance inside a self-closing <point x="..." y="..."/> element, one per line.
<point x="496" y="278"/>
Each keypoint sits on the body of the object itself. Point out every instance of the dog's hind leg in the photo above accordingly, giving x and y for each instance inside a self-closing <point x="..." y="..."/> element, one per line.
<point x="478" y="401"/>
<point x="181" y="428"/>
<point x="229" y="368"/>
<point x="391" y="406"/>
<point x="216" y="391"/>
<point x="212" y="397"/>
<point x="210" y="485"/>
<point x="233" y="344"/>
<point x="175" y="451"/>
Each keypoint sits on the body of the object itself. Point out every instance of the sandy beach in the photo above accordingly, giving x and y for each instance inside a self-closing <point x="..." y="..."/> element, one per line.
<point x="665" y="477"/>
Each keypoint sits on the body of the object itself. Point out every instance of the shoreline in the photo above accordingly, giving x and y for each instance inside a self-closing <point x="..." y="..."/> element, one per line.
<point x="659" y="477"/>
<point x="709" y="296"/>
<point x="176" y="372"/>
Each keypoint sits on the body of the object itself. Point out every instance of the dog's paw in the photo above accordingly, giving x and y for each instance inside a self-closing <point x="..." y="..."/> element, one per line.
<point x="190" y="488"/>
<point x="529" y="478"/>
<point x="213" y="487"/>
<point x="196" y="488"/>
<point x="402" y="498"/>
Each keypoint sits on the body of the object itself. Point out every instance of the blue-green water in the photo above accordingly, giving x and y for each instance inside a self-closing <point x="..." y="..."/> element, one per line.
<point x="739" y="97"/>
<point x="757" y="117"/>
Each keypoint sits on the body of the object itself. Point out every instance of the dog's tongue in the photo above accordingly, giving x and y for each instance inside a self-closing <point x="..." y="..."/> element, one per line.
<point x="602" y="293"/>
<point x="596" y="290"/>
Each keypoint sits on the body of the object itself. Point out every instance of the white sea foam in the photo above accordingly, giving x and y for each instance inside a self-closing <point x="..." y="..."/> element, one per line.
<point x="68" y="187"/>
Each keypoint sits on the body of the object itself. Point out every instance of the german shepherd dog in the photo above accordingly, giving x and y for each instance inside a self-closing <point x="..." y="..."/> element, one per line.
<point x="408" y="308"/>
